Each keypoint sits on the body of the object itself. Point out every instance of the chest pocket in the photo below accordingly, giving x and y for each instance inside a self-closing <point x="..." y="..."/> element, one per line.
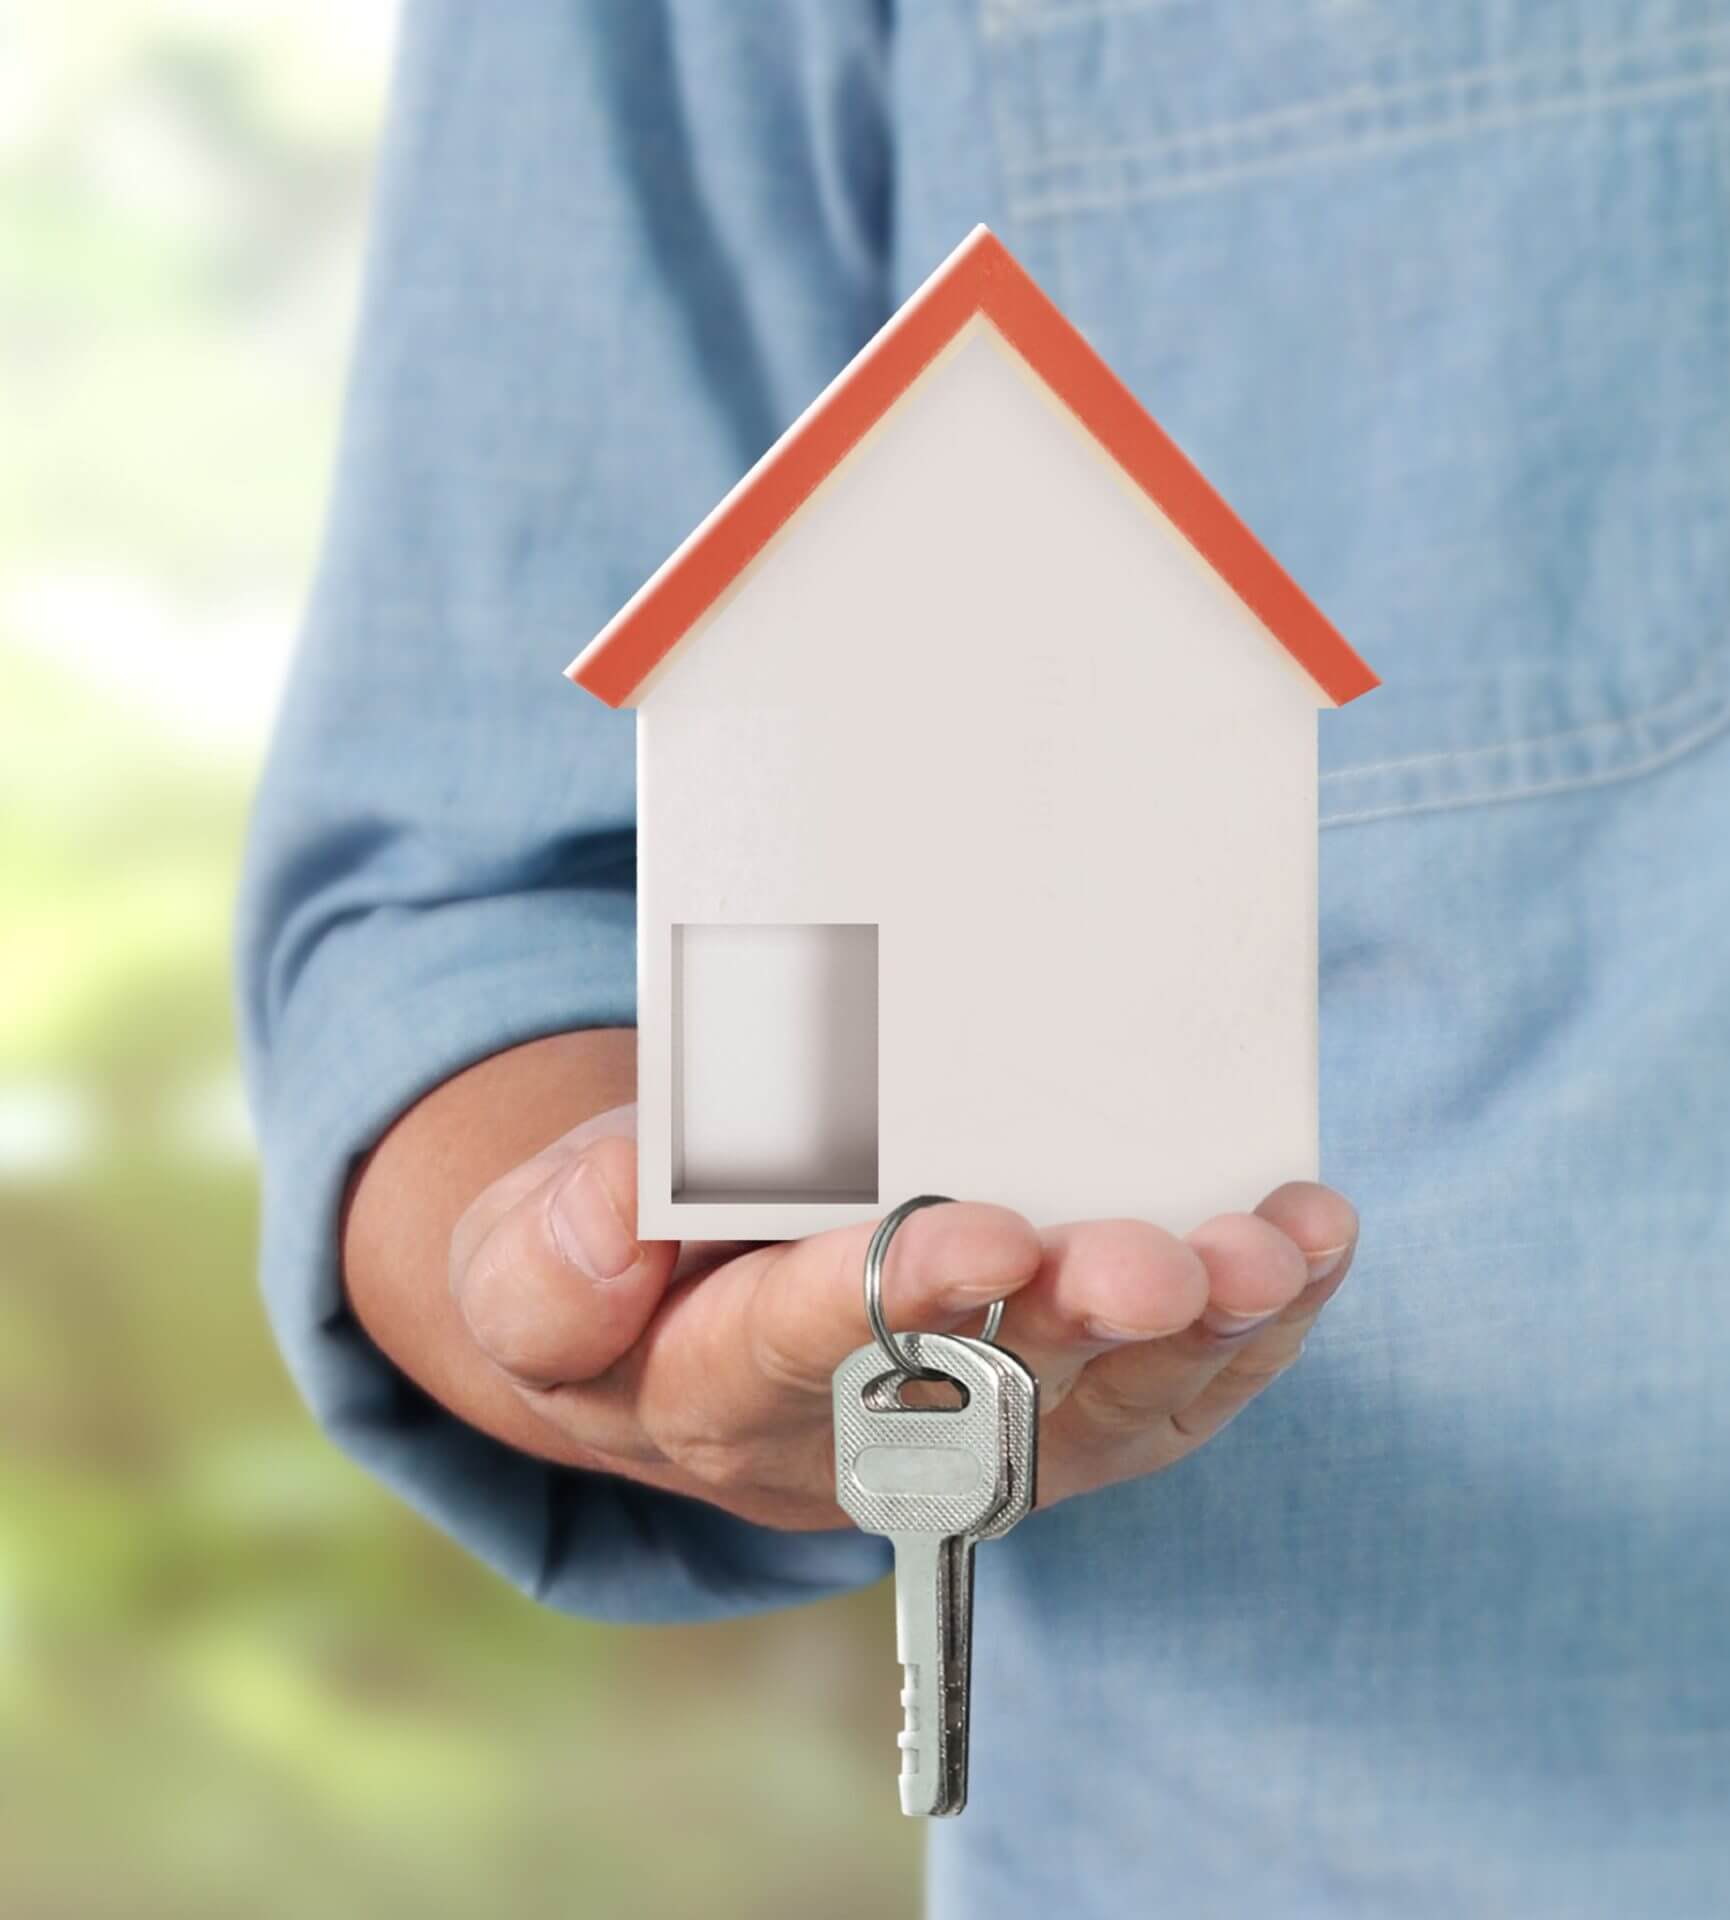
<point x="1439" y="296"/>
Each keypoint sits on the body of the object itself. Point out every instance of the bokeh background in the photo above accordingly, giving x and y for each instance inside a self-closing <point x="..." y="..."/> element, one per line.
<point x="235" y="1678"/>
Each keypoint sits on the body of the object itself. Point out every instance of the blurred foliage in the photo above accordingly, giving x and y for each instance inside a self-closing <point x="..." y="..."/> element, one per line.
<point x="235" y="1678"/>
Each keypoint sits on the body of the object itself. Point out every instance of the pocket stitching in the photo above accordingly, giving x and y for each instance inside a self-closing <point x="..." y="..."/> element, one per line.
<point x="1434" y="132"/>
<point x="1016" y="20"/>
<point x="1692" y="696"/>
<point x="1368" y="97"/>
<point x="1698" y="716"/>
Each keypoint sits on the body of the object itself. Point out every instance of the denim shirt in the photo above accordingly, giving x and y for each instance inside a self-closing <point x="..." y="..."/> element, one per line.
<point x="1439" y="297"/>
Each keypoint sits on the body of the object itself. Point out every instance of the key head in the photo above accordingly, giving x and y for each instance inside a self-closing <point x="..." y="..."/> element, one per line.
<point x="930" y="1470"/>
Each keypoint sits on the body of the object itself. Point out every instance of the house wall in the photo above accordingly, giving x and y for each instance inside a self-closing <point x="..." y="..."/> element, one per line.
<point x="980" y="695"/>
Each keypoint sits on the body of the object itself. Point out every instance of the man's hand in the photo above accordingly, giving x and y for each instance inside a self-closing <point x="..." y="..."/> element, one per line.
<point x="535" y="1313"/>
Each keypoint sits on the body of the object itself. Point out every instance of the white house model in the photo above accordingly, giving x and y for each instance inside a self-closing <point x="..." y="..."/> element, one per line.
<point x="976" y="804"/>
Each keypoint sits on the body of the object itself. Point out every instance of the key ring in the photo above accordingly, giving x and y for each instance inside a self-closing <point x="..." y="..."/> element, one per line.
<point x="876" y="1254"/>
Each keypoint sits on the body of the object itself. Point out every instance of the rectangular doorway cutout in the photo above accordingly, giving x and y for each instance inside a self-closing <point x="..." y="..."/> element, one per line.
<point x="775" y="1063"/>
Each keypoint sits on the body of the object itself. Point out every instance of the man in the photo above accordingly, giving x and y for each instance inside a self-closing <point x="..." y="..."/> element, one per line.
<point x="1437" y="297"/>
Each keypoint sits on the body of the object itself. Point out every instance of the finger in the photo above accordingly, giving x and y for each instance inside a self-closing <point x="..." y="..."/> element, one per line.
<point x="1247" y="1375"/>
<point x="547" y="1270"/>
<point x="1324" y="1226"/>
<point x="1254" y="1272"/>
<point x="1102" y="1283"/>
<point x="1125" y="1282"/>
<point x="757" y="1343"/>
<point x="1245" y="1339"/>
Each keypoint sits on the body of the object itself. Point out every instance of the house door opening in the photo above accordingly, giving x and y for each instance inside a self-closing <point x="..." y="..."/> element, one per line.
<point x="774" y="1062"/>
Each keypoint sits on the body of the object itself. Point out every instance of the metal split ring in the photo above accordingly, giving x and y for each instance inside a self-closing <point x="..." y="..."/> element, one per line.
<point x="876" y="1254"/>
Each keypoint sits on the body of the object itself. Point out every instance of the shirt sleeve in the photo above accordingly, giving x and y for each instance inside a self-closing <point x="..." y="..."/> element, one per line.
<point x="618" y="246"/>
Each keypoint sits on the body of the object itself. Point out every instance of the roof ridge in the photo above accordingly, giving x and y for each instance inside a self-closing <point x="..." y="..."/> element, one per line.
<point x="981" y="277"/>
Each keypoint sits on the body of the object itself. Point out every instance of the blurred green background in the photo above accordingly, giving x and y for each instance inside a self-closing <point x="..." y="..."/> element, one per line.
<point x="235" y="1678"/>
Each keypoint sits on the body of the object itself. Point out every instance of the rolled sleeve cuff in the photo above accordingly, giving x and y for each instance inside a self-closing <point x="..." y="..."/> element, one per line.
<point x="389" y="1005"/>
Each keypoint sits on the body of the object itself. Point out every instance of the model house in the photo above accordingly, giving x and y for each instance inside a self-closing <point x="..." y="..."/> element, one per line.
<point x="976" y="804"/>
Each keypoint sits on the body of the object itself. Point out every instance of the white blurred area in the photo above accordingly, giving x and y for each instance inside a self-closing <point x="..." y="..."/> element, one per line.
<point x="182" y="197"/>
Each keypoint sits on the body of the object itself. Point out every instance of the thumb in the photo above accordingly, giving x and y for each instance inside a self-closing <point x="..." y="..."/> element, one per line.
<point x="546" y="1267"/>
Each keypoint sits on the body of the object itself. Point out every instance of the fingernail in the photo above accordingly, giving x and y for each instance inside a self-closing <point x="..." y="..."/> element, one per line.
<point x="1327" y="1261"/>
<point x="1109" y="1331"/>
<point x="587" y="1227"/>
<point x="1234" y="1326"/>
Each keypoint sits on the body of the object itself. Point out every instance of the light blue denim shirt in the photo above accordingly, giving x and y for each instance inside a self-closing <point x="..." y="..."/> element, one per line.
<point x="1439" y="296"/>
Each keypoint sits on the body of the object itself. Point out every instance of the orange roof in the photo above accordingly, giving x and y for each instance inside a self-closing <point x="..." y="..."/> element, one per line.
<point x="980" y="277"/>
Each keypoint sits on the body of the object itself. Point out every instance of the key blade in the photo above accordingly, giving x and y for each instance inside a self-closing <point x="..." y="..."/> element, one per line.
<point x="933" y="1642"/>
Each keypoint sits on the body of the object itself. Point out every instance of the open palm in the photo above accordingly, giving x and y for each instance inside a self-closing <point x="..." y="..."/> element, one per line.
<point x="705" y="1369"/>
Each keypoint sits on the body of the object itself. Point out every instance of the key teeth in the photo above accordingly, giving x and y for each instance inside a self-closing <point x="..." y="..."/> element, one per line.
<point x="910" y="1739"/>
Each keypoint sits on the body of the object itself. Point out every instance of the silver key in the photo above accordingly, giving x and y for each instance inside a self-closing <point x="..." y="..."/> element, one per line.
<point x="935" y="1480"/>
